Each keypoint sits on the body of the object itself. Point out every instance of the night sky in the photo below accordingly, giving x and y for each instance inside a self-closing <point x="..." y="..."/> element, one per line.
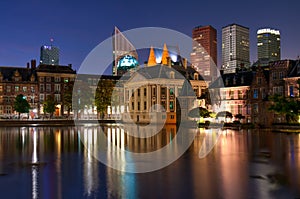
<point x="78" y="26"/>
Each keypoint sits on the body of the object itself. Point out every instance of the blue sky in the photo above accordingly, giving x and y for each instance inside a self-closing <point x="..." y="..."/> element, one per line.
<point x="78" y="26"/>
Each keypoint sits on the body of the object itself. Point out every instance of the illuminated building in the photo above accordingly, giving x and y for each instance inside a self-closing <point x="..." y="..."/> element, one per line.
<point x="123" y="51"/>
<point x="15" y="81"/>
<point x="268" y="45"/>
<point x="160" y="84"/>
<point x="204" y="54"/>
<point x="235" y="48"/>
<point x="49" y="55"/>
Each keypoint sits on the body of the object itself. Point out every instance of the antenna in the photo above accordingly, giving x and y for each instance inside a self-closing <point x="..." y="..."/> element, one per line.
<point x="51" y="41"/>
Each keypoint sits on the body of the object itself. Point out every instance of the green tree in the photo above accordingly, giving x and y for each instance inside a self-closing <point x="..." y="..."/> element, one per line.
<point x="21" y="105"/>
<point x="67" y="96"/>
<point x="103" y="97"/>
<point x="286" y="107"/>
<point x="49" y="105"/>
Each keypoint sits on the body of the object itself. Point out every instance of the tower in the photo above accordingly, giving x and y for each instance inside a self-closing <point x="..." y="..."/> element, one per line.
<point x="268" y="45"/>
<point x="235" y="48"/>
<point x="204" y="53"/>
<point x="49" y="54"/>
<point x="122" y="47"/>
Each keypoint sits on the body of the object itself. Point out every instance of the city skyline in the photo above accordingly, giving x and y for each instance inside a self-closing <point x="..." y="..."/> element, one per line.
<point x="77" y="29"/>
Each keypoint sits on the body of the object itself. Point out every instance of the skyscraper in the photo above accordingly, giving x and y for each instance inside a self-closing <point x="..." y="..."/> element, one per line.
<point x="49" y="55"/>
<point x="268" y="45"/>
<point x="204" y="53"/>
<point x="124" y="54"/>
<point x="235" y="48"/>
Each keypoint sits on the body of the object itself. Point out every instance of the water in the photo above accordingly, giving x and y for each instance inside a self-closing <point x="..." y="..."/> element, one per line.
<point x="52" y="162"/>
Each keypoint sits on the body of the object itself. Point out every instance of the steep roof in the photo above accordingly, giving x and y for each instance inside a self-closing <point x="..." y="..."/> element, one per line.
<point x="55" y="69"/>
<point x="8" y="72"/>
<point x="243" y="78"/>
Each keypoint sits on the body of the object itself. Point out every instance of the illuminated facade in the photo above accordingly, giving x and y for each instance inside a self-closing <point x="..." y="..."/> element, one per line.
<point x="15" y="81"/>
<point x="268" y="45"/>
<point x="49" y="55"/>
<point x="123" y="51"/>
<point x="204" y="54"/>
<point x="235" y="48"/>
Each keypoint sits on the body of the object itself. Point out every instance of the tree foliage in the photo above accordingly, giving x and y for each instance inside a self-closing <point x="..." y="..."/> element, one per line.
<point x="81" y="96"/>
<point x="49" y="105"/>
<point x="21" y="105"/>
<point x="67" y="96"/>
<point x="287" y="107"/>
<point x="103" y="97"/>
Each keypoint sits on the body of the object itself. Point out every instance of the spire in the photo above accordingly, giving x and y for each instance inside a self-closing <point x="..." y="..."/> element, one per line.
<point x="165" y="54"/>
<point x="151" y="58"/>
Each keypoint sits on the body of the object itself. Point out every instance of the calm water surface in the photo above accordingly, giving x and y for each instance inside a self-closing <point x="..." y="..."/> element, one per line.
<point x="52" y="162"/>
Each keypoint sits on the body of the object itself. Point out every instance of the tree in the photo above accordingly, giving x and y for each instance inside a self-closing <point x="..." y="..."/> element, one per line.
<point x="286" y="107"/>
<point x="199" y="112"/>
<point x="103" y="97"/>
<point x="67" y="96"/>
<point x="21" y="105"/>
<point x="239" y="116"/>
<point x="49" y="105"/>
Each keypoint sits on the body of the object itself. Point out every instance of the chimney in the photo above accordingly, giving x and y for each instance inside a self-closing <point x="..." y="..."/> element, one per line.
<point x="33" y="63"/>
<point x="184" y="60"/>
<point x="27" y="65"/>
<point x="70" y="65"/>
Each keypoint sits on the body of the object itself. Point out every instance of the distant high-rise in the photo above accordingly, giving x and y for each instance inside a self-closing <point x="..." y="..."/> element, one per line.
<point x="49" y="55"/>
<point x="268" y="45"/>
<point x="204" y="54"/>
<point x="235" y="48"/>
<point x="124" y="54"/>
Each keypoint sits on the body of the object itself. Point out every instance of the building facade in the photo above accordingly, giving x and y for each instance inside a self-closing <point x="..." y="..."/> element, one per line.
<point x="204" y="53"/>
<point x="268" y="45"/>
<point x="49" y="55"/>
<point x="15" y="81"/>
<point x="235" y="48"/>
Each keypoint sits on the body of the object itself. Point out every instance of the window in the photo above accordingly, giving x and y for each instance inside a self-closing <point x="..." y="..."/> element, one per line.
<point x="138" y="106"/>
<point x="154" y="91"/>
<point x="163" y="91"/>
<point x="1" y="88"/>
<point x="255" y="108"/>
<point x="240" y="109"/>
<point x="274" y="75"/>
<point x="48" y="87"/>
<point x="57" y="79"/>
<point x="24" y="89"/>
<point x="57" y="97"/>
<point x="42" y="88"/>
<point x="48" y="79"/>
<point x="145" y="105"/>
<point x="291" y="91"/>
<point x="66" y="80"/>
<point x="280" y="75"/>
<point x="32" y="89"/>
<point x="240" y="94"/>
<point x="139" y="92"/>
<point x="172" y="117"/>
<point x="255" y="93"/>
<point x="132" y="106"/>
<point x="171" y="105"/>
<point x="42" y="97"/>
<point x="171" y="91"/>
<point x="231" y="94"/>
<point x="57" y="87"/>
<point x="145" y="91"/>
<point x="42" y="79"/>
<point x="17" y="88"/>
<point x="259" y="80"/>
<point x="195" y="76"/>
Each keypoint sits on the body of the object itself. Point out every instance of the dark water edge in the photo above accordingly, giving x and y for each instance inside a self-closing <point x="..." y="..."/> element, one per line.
<point x="243" y="164"/>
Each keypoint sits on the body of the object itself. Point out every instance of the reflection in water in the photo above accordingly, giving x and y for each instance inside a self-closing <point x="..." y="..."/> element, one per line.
<point x="51" y="162"/>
